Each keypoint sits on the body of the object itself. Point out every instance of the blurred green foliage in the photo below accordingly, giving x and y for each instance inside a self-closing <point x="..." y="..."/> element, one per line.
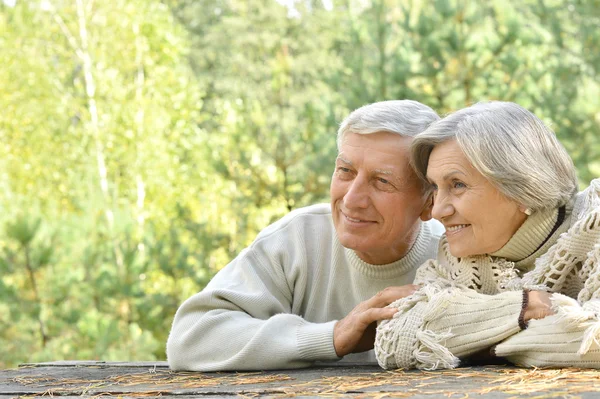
<point x="144" y="143"/>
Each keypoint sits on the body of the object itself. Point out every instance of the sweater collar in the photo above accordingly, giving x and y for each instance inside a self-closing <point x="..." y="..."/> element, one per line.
<point x="536" y="229"/>
<point x="406" y="264"/>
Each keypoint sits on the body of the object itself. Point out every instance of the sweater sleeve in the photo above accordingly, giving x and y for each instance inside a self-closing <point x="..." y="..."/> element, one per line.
<point x="244" y="319"/>
<point x="435" y="326"/>
<point x="569" y="338"/>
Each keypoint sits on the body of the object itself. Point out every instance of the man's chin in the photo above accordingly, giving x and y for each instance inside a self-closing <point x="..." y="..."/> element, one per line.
<point x="352" y="242"/>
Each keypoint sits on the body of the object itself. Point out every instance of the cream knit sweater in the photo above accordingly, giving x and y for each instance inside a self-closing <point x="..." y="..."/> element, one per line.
<point x="275" y="305"/>
<point x="471" y="304"/>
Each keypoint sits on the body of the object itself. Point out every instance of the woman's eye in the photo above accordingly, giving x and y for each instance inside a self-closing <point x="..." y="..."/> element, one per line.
<point x="459" y="184"/>
<point x="433" y="186"/>
<point x="343" y="170"/>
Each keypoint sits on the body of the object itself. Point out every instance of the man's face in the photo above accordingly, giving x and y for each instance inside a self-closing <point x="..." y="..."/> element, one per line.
<point x="376" y="199"/>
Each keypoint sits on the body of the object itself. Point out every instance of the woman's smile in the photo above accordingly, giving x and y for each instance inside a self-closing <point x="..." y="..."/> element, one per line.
<point x="455" y="229"/>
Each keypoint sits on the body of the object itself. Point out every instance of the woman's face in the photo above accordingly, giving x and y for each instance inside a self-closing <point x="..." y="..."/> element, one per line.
<point x="478" y="218"/>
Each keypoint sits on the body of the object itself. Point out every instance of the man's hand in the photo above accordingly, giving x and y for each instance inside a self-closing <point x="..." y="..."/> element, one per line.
<point x="356" y="332"/>
<point x="538" y="305"/>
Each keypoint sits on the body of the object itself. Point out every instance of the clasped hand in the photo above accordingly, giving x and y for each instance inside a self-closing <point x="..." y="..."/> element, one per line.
<point x="538" y="305"/>
<point x="356" y="332"/>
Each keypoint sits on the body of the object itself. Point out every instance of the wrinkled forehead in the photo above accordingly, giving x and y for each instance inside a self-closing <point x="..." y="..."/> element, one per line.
<point x="378" y="153"/>
<point x="384" y="146"/>
<point x="391" y="142"/>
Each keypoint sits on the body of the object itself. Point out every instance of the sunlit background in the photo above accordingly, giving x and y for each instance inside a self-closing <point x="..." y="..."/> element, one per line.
<point x="143" y="143"/>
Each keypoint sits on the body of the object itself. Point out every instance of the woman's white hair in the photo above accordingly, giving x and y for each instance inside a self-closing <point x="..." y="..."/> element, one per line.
<point x="403" y="117"/>
<point x="510" y="147"/>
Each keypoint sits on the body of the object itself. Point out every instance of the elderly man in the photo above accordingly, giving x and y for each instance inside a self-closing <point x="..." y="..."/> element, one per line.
<point x="312" y="286"/>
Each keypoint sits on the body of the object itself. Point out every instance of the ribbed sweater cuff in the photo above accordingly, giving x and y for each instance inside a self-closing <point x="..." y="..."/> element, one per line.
<point x="477" y="321"/>
<point x="315" y="341"/>
<point x="565" y="339"/>
<point x="548" y="343"/>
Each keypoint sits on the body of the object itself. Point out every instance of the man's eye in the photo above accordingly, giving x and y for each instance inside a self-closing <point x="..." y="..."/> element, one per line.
<point x="382" y="180"/>
<point x="344" y="170"/>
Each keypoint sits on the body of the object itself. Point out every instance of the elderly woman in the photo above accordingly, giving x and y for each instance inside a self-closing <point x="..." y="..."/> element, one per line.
<point x="518" y="271"/>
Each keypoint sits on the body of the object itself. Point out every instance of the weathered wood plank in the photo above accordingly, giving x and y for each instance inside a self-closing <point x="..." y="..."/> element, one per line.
<point x="70" y="379"/>
<point x="97" y="363"/>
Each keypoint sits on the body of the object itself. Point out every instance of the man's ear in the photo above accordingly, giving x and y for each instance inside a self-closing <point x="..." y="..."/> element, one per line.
<point x="427" y="208"/>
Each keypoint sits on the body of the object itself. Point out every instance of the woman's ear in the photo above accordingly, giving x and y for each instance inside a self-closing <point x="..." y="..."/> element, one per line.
<point x="525" y="210"/>
<point x="427" y="208"/>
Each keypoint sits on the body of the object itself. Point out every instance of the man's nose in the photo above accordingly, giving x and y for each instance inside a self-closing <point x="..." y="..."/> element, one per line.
<point x="442" y="207"/>
<point x="358" y="194"/>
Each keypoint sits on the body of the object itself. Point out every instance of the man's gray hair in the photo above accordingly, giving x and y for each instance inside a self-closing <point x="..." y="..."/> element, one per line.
<point x="403" y="117"/>
<point x="511" y="147"/>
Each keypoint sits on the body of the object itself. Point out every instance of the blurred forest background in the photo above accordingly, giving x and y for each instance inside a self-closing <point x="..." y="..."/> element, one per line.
<point x="144" y="143"/>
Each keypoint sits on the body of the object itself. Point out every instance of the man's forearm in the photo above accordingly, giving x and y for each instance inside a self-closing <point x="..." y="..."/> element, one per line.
<point x="231" y="340"/>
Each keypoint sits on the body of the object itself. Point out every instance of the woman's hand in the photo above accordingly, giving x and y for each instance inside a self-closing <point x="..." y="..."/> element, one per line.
<point x="538" y="305"/>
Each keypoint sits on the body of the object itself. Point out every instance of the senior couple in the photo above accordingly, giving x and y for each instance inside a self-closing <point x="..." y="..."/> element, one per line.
<point x="508" y="267"/>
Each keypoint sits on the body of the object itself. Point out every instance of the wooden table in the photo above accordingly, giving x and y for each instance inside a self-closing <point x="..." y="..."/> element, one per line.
<point x="153" y="379"/>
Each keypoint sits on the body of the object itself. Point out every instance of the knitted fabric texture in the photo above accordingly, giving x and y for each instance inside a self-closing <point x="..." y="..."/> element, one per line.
<point x="565" y="339"/>
<point x="570" y="268"/>
<point x="404" y="344"/>
<point x="484" y="274"/>
<point x="571" y="265"/>
<point x="434" y="326"/>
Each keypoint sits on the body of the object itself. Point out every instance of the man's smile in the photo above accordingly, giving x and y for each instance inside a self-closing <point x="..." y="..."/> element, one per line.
<point x="356" y="220"/>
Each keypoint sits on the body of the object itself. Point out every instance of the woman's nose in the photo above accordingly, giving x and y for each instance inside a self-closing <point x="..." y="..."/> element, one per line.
<point x="442" y="207"/>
